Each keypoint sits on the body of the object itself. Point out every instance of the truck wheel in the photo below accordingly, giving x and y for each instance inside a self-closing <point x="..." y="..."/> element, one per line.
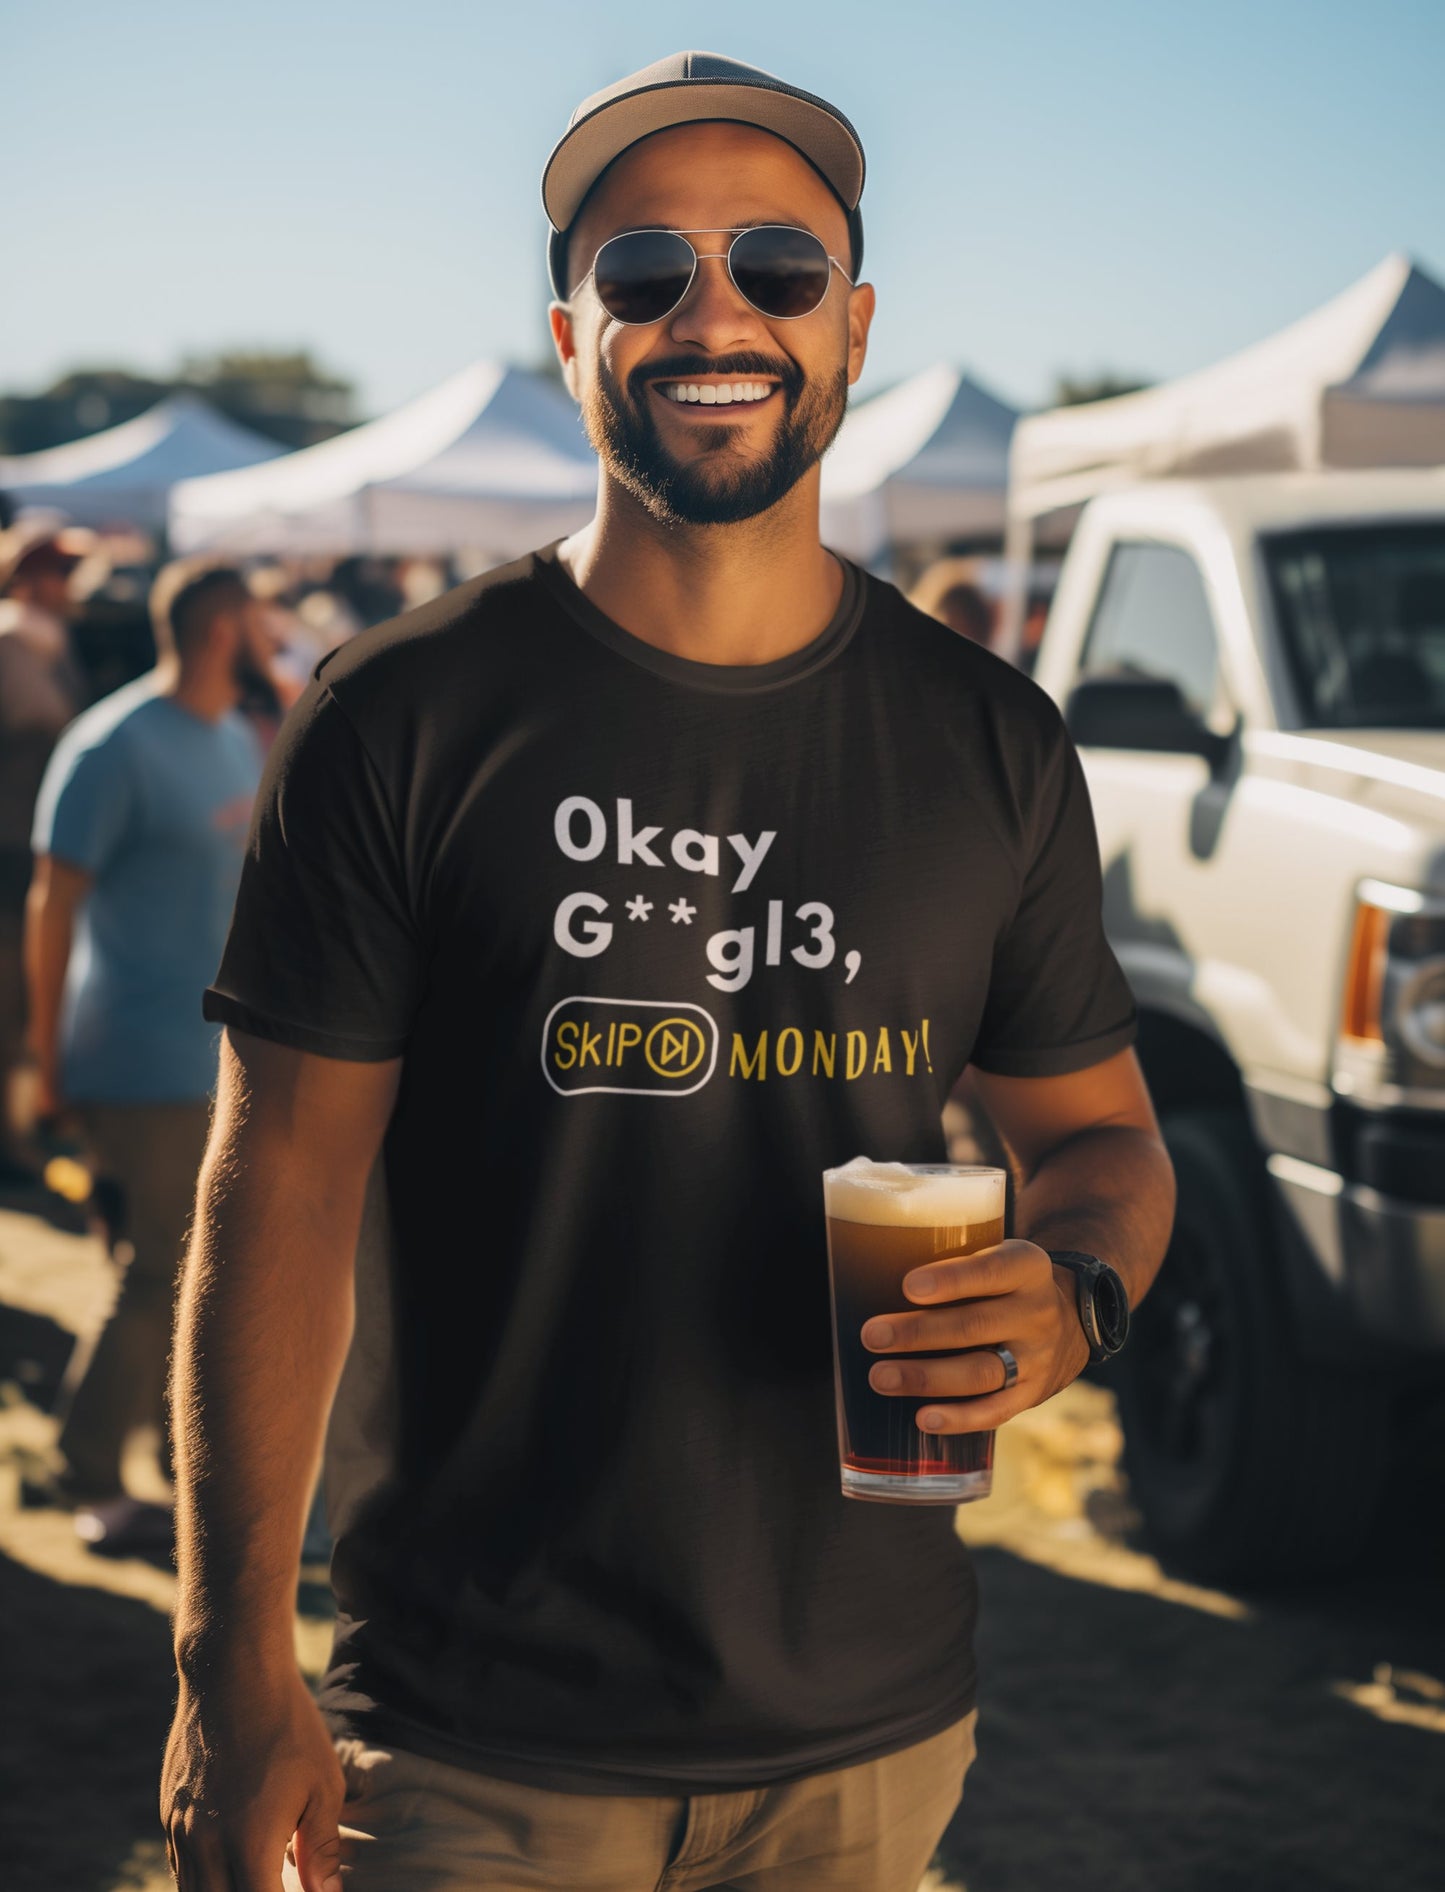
<point x="1247" y="1463"/>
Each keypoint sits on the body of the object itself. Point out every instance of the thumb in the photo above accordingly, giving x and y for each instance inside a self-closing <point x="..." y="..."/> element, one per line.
<point x="317" y="1847"/>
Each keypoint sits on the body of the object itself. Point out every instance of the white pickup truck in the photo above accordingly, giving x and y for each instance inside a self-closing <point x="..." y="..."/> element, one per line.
<point x="1254" y="672"/>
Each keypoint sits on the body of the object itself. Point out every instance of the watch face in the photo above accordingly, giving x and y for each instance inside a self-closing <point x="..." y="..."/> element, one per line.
<point x="1111" y="1309"/>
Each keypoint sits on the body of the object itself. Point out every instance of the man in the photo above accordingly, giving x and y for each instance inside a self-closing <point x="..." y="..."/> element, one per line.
<point x="41" y="689"/>
<point x="563" y="895"/>
<point x="139" y="832"/>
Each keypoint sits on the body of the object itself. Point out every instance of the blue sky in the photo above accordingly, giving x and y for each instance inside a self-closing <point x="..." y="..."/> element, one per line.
<point x="1051" y="185"/>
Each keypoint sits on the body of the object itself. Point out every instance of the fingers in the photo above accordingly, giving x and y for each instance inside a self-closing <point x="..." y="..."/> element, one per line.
<point x="976" y="1415"/>
<point x="202" y="1860"/>
<point x="958" y="1325"/>
<point x="1006" y="1268"/>
<point x="977" y="1378"/>
<point x="317" y="1847"/>
<point x="960" y="1376"/>
<point x="197" y="1858"/>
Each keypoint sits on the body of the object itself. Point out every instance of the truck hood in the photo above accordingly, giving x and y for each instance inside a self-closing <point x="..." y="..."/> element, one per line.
<point x="1399" y="772"/>
<point x="1424" y="748"/>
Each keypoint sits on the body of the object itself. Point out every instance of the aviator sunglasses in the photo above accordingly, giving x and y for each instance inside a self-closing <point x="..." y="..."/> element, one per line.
<point x="642" y="275"/>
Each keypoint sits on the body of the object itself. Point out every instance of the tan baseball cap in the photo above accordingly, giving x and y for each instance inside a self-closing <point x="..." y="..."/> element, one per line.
<point x="680" y="90"/>
<point x="37" y="542"/>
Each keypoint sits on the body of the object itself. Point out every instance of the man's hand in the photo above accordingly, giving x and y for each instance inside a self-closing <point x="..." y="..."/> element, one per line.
<point x="1009" y="1295"/>
<point x="248" y="1764"/>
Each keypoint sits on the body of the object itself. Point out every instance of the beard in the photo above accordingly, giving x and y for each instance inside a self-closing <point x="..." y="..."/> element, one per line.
<point x="253" y="686"/>
<point x="718" y="487"/>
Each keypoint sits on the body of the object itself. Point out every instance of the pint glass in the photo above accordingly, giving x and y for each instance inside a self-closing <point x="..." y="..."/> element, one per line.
<point x="884" y="1220"/>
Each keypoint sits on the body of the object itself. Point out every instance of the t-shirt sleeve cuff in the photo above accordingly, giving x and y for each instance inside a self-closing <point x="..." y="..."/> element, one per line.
<point x="1056" y="1060"/>
<point x="221" y="1009"/>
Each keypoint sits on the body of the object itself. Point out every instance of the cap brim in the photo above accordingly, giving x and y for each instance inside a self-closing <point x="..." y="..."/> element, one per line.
<point x="585" y="152"/>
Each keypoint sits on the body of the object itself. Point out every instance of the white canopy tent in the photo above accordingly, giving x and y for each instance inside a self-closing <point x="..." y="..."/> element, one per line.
<point x="493" y="461"/>
<point x="123" y="477"/>
<point x="1359" y="383"/>
<point x="925" y="462"/>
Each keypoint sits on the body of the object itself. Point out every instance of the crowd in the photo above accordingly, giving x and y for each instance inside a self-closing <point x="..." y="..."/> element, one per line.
<point x="135" y="711"/>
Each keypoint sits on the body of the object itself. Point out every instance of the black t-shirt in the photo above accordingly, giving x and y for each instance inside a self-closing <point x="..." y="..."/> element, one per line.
<point x="658" y="941"/>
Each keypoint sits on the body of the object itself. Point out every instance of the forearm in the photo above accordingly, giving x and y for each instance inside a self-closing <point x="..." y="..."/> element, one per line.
<point x="1109" y="1191"/>
<point x="264" y="1320"/>
<point x="49" y="929"/>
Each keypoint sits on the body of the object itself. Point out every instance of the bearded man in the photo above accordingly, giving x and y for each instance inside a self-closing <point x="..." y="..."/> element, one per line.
<point x="139" y="830"/>
<point x="564" y="892"/>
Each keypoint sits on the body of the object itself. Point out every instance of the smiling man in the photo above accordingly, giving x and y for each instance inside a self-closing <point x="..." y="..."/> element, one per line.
<point x="589" y="914"/>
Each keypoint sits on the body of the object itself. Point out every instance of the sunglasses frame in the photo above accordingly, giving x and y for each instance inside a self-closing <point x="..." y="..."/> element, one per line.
<point x="736" y="232"/>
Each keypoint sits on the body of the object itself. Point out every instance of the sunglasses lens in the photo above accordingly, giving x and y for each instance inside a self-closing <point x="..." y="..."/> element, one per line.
<point x="642" y="275"/>
<point x="781" y="272"/>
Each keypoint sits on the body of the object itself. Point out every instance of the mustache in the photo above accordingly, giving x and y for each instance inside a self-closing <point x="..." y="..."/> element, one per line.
<point x="744" y="365"/>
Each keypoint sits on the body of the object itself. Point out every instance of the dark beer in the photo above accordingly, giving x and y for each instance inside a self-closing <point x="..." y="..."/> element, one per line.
<point x="884" y="1220"/>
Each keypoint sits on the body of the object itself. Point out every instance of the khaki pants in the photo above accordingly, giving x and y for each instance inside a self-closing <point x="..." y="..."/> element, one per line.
<point x="149" y="1155"/>
<point x="415" y="1825"/>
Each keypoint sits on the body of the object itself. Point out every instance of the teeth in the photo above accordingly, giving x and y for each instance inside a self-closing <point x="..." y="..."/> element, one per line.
<point x="709" y="394"/>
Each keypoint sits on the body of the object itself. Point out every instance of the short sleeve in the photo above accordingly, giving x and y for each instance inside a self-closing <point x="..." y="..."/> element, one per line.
<point x="85" y="803"/>
<point x="323" y="951"/>
<point x="1057" y="999"/>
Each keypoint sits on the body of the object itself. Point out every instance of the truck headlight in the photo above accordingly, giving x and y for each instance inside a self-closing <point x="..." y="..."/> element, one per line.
<point x="1392" y="1025"/>
<point x="1420" y="1012"/>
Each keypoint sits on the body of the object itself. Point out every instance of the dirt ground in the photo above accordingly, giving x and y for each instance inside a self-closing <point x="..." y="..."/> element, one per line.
<point x="1136" y="1734"/>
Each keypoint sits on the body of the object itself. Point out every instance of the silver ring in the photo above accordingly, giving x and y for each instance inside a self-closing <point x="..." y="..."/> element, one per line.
<point x="1010" y="1367"/>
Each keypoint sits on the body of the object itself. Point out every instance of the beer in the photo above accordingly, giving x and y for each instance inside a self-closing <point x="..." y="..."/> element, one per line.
<point x="884" y="1220"/>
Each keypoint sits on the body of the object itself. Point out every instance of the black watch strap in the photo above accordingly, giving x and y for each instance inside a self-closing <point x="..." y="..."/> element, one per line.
<point x="1101" y="1298"/>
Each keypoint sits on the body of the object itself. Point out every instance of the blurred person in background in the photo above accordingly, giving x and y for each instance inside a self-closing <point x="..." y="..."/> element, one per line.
<point x="139" y="832"/>
<point x="949" y="590"/>
<point x="110" y="630"/>
<point x="1036" y="618"/>
<point x="41" y="689"/>
<point x="369" y="588"/>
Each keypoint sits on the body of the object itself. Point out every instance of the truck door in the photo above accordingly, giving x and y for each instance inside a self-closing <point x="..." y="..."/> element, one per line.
<point x="1153" y="619"/>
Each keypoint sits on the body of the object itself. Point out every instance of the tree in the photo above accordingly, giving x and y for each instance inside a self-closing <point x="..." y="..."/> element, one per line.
<point x="1072" y="390"/>
<point x="288" y="397"/>
<point x="81" y="402"/>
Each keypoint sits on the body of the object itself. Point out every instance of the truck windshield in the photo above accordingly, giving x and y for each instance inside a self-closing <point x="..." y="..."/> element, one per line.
<point x="1362" y="611"/>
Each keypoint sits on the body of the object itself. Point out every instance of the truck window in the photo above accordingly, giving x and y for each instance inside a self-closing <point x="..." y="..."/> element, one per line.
<point x="1153" y="620"/>
<point x="1362" y="613"/>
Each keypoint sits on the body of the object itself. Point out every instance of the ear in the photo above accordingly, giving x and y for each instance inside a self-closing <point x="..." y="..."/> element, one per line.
<point x="564" y="340"/>
<point x="860" y="320"/>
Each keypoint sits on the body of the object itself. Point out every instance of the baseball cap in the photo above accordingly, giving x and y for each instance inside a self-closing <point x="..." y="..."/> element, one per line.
<point x="35" y="545"/>
<point x="680" y="90"/>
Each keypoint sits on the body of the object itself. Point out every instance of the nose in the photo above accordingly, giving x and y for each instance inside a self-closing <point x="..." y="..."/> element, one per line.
<point x="712" y="316"/>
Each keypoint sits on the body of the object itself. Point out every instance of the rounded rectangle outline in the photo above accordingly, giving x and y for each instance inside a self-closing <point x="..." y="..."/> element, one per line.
<point x="630" y="1090"/>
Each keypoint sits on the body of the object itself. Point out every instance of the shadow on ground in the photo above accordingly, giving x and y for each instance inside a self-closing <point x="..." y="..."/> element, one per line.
<point x="87" y="1681"/>
<point x="34" y="1353"/>
<point x="1159" y="1748"/>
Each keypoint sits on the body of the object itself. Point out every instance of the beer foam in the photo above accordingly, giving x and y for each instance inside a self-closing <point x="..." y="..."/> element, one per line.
<point x="891" y="1195"/>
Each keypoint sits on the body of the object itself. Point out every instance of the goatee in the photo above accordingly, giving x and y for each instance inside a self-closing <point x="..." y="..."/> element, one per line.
<point x="719" y="488"/>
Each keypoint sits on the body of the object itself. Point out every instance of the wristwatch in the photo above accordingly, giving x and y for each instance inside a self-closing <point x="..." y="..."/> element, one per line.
<point x="1102" y="1302"/>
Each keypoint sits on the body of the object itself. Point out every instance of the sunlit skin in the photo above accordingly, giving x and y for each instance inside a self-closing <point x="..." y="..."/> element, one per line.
<point x="754" y="591"/>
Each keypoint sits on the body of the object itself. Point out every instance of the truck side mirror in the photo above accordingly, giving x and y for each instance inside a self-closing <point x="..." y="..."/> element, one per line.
<point x="1140" y="713"/>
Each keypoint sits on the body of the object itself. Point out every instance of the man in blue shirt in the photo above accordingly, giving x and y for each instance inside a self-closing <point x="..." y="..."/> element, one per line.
<point x="139" y="833"/>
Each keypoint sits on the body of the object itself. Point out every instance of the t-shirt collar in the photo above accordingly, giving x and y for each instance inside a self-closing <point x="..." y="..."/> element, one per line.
<point x="728" y="679"/>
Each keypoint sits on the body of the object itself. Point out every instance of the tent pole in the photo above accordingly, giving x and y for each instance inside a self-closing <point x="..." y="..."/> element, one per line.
<point x="1018" y="549"/>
